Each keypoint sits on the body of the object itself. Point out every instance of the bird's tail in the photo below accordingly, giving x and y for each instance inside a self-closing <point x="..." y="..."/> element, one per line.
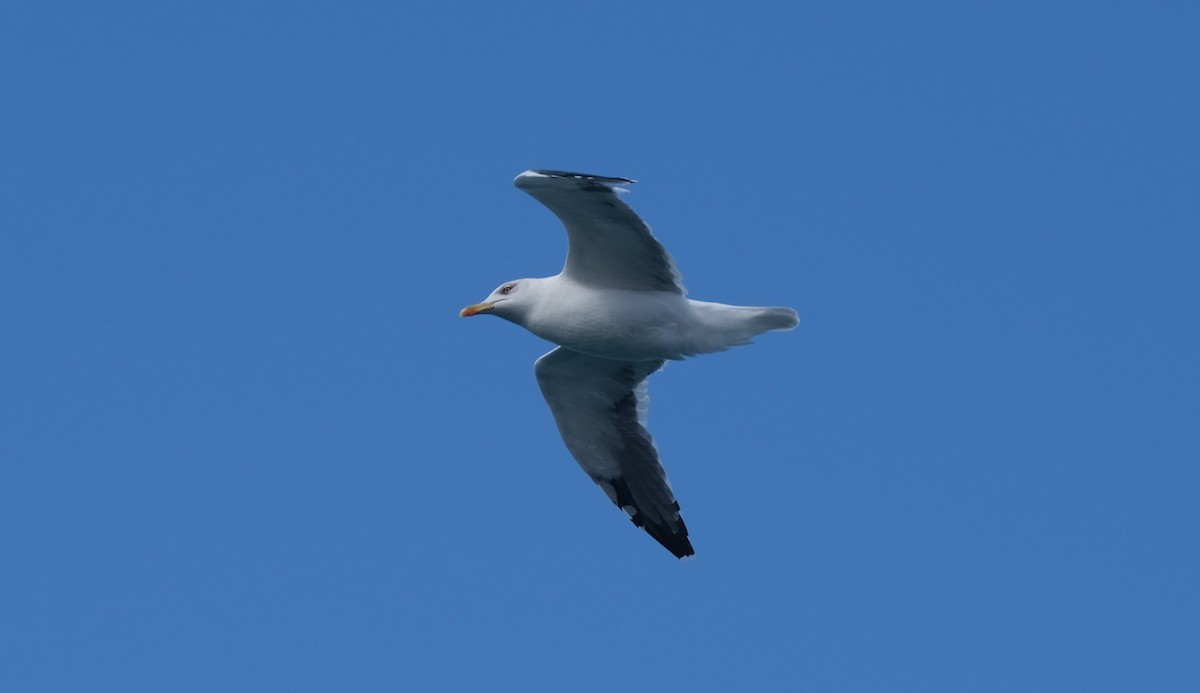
<point x="729" y="326"/>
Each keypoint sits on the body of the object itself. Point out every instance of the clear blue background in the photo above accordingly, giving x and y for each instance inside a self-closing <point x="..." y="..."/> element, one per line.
<point x="247" y="443"/>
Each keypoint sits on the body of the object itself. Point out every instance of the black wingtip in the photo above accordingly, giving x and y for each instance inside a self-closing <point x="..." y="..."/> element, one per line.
<point x="673" y="536"/>
<point x="675" y="542"/>
<point x="607" y="180"/>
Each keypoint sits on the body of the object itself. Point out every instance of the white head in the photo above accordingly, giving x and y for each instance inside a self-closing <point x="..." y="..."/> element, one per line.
<point x="511" y="300"/>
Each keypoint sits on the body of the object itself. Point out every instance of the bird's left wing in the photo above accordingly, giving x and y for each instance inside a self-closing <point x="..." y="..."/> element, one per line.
<point x="600" y="408"/>
<point x="609" y="246"/>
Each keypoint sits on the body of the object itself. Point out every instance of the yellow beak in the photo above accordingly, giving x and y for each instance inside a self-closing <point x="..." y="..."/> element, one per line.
<point x="475" y="309"/>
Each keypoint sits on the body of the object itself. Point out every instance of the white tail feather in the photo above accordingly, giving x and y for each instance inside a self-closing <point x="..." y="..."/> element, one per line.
<point x="729" y="326"/>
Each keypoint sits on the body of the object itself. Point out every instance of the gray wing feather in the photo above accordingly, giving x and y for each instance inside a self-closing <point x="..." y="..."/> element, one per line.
<point x="609" y="245"/>
<point x="599" y="406"/>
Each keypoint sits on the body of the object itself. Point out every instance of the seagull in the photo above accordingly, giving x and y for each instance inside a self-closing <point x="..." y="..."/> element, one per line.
<point x="618" y="311"/>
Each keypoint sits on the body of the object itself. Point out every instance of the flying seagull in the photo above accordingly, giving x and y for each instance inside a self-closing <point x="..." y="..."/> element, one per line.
<point x="618" y="312"/>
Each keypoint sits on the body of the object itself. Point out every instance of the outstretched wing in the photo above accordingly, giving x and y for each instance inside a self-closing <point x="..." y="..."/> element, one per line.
<point x="600" y="408"/>
<point x="608" y="244"/>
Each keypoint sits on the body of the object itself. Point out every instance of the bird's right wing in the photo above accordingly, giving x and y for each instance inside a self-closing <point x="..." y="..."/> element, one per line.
<point x="600" y="408"/>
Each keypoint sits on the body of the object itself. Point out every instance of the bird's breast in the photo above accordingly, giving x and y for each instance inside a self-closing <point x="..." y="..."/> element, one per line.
<point x="614" y="323"/>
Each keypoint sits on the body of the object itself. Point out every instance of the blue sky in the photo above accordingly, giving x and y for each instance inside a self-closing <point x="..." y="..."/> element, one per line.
<point x="247" y="443"/>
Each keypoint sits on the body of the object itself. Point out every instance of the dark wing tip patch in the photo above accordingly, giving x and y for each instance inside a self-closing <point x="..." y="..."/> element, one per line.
<point x="589" y="177"/>
<point x="674" y="540"/>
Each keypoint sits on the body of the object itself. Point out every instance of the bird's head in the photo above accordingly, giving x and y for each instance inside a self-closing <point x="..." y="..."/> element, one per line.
<point x="511" y="300"/>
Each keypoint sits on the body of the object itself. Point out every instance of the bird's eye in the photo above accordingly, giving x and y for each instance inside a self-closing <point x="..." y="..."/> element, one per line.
<point x="507" y="289"/>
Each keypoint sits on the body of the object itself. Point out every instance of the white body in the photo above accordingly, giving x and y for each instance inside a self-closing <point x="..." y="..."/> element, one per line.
<point x="638" y="325"/>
